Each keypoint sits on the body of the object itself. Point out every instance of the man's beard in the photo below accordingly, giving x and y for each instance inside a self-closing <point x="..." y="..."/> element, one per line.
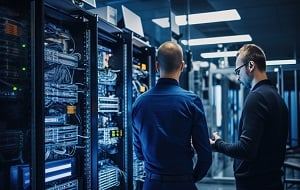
<point x="246" y="85"/>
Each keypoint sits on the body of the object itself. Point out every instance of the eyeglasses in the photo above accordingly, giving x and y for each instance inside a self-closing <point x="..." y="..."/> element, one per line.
<point x="237" y="70"/>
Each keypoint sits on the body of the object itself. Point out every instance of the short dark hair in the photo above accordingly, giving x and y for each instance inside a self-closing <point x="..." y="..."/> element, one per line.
<point x="252" y="52"/>
<point x="169" y="56"/>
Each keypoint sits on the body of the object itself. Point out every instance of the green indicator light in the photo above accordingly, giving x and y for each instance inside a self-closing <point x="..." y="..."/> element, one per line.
<point x="23" y="45"/>
<point x="15" y="88"/>
<point x="24" y="69"/>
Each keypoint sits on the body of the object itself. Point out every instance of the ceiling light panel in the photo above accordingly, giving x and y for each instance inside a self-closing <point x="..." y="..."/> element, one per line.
<point x="200" y="18"/>
<point x="219" y="54"/>
<point x="281" y="62"/>
<point x="217" y="40"/>
<point x="162" y="22"/>
<point x="209" y="17"/>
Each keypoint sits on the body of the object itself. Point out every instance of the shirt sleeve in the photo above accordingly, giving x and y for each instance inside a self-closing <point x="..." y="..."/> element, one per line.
<point x="137" y="146"/>
<point x="251" y="129"/>
<point x="200" y="141"/>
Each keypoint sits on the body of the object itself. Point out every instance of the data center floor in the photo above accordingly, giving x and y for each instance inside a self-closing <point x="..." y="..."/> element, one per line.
<point x="227" y="185"/>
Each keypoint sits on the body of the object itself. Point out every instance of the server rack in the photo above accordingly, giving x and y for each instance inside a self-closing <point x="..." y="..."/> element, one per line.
<point x="143" y="67"/>
<point x="15" y="77"/>
<point x="112" y="137"/>
<point x="64" y="57"/>
<point x="69" y="59"/>
<point x="71" y="112"/>
<point x="125" y="70"/>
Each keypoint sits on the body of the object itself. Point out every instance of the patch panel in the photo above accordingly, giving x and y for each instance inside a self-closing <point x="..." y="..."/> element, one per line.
<point x="108" y="104"/>
<point x="66" y="87"/>
<point x="109" y="135"/>
<point x="61" y="135"/>
<point x="107" y="77"/>
<point x="138" y="168"/>
<point x="61" y="92"/>
<point x="55" y="57"/>
<point x="69" y="185"/>
<point x="56" y="119"/>
<point x="108" y="177"/>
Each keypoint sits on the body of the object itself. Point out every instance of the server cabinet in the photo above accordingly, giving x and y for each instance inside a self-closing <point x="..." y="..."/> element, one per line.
<point x="143" y="67"/>
<point x="125" y="68"/>
<point x="15" y="78"/>
<point x="112" y="170"/>
<point x="62" y="112"/>
<point x="65" y="58"/>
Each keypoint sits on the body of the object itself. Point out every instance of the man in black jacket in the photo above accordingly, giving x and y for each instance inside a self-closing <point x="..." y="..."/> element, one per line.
<point x="260" y="150"/>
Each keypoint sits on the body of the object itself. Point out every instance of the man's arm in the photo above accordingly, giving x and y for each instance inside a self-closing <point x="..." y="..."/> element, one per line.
<point x="201" y="143"/>
<point x="252" y="126"/>
<point x="137" y="146"/>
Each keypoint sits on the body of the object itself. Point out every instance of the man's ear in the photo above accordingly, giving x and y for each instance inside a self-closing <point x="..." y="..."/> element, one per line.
<point x="182" y="66"/>
<point x="251" y="66"/>
<point x="157" y="66"/>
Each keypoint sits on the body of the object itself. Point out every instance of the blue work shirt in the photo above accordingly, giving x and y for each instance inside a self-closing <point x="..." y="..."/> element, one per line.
<point x="166" y="119"/>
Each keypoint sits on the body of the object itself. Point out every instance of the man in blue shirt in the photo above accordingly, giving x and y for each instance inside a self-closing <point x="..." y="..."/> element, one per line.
<point x="169" y="126"/>
<point x="263" y="128"/>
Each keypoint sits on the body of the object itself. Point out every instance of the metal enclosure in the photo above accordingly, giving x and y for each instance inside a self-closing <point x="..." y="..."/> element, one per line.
<point x="67" y="83"/>
<point x="15" y="91"/>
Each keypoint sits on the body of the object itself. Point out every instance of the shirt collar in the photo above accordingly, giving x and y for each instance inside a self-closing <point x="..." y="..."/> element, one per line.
<point x="260" y="83"/>
<point x="170" y="81"/>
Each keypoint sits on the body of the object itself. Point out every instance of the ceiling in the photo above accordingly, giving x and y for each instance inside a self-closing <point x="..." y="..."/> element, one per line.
<point x="274" y="25"/>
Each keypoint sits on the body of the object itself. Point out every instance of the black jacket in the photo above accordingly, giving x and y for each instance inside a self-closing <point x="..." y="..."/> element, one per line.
<point x="263" y="127"/>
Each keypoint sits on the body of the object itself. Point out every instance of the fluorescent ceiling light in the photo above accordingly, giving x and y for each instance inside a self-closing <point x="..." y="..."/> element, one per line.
<point x="209" y="17"/>
<point x="219" y="54"/>
<point x="281" y="62"/>
<point x="162" y="22"/>
<point x="234" y="53"/>
<point x="200" y="18"/>
<point x="218" y="40"/>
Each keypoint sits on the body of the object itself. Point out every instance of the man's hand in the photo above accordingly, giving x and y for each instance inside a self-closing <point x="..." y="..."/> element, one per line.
<point x="215" y="137"/>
